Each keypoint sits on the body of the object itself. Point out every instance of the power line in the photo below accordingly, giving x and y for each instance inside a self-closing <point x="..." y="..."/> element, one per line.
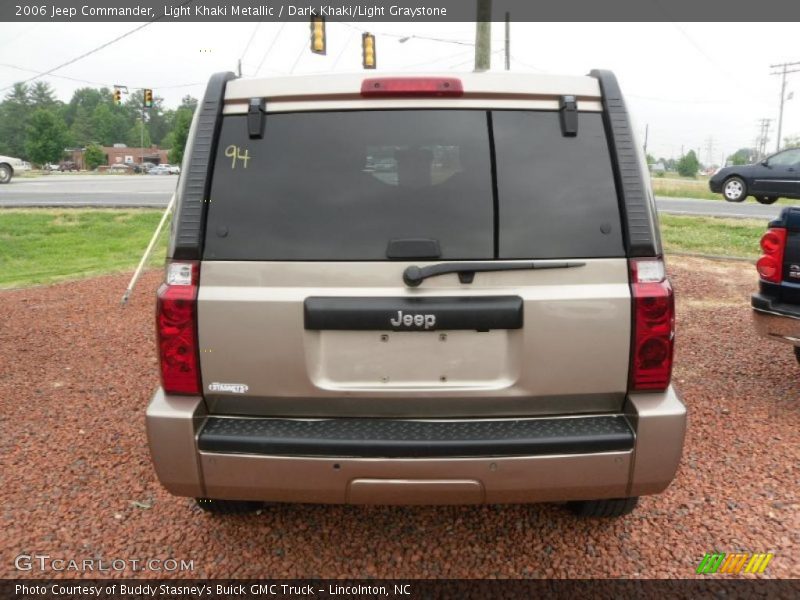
<point x="299" y="56"/>
<point x="20" y="34"/>
<point x="697" y="47"/>
<point x="458" y="54"/>
<point x="105" y="83"/>
<point x="341" y="52"/>
<point x="524" y="64"/>
<point x="250" y="41"/>
<point x="93" y="51"/>
<point x="461" y="64"/>
<point x="274" y="40"/>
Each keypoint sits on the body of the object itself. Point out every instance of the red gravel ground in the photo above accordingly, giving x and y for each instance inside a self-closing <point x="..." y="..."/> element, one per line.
<point x="76" y="481"/>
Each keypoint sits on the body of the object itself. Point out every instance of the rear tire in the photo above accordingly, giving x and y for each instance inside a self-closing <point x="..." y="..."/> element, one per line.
<point x="734" y="189"/>
<point x="613" y="507"/>
<point x="797" y="353"/>
<point x="767" y="199"/>
<point x="5" y="173"/>
<point x="228" y="507"/>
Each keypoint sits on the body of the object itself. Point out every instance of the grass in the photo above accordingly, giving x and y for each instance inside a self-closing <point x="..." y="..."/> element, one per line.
<point x="675" y="187"/>
<point x="734" y="238"/>
<point x="39" y="246"/>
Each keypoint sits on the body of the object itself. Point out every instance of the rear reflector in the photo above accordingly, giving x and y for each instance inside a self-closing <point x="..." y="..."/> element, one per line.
<point x="770" y="266"/>
<point x="653" y="326"/>
<point x="176" y="328"/>
<point x="411" y="87"/>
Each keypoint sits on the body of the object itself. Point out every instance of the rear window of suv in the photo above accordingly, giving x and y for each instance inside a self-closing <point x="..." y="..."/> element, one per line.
<point x="341" y="185"/>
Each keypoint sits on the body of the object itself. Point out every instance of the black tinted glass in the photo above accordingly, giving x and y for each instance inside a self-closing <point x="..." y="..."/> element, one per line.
<point x="342" y="185"/>
<point x="557" y="197"/>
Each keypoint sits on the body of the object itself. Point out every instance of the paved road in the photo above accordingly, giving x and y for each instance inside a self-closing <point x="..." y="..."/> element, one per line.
<point x="155" y="191"/>
<point x="718" y="208"/>
<point x="89" y="190"/>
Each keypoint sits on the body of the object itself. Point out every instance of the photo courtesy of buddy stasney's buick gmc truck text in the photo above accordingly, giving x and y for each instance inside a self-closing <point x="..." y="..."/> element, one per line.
<point x="149" y="590"/>
<point x="415" y="290"/>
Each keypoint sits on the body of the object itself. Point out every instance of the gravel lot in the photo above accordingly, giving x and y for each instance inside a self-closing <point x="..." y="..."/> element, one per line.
<point x="76" y="482"/>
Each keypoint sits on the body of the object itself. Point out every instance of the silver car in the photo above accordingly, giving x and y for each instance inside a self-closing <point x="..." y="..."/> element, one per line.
<point x="485" y="318"/>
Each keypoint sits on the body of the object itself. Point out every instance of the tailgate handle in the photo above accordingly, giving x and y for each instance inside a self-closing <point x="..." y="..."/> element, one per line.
<point x="414" y="275"/>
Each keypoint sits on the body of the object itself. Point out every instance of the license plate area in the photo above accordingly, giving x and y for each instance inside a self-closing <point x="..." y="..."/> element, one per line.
<point x="361" y="360"/>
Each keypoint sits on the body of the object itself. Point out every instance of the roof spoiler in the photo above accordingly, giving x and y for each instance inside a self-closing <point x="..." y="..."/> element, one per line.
<point x="636" y="200"/>
<point x="195" y="182"/>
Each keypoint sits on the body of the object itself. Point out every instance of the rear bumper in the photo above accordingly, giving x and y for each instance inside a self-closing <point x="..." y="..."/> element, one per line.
<point x="556" y="461"/>
<point x="781" y="327"/>
<point x="775" y="320"/>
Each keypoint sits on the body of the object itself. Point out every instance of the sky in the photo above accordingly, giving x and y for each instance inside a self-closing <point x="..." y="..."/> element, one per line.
<point x="692" y="85"/>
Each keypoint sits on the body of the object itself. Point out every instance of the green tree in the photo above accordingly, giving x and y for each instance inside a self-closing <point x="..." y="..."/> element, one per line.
<point x="688" y="164"/>
<point x="742" y="156"/>
<point x="159" y="120"/>
<point x="42" y="95"/>
<point x="92" y="116"/>
<point x="179" y="133"/>
<point x="47" y="136"/>
<point x="14" y="114"/>
<point x="94" y="157"/>
<point x="81" y="131"/>
<point x="189" y="102"/>
<point x="791" y="141"/>
<point x="87" y="98"/>
<point x="134" y="138"/>
<point x="108" y="126"/>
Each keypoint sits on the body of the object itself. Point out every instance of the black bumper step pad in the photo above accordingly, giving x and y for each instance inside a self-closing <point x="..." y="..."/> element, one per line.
<point x="400" y="438"/>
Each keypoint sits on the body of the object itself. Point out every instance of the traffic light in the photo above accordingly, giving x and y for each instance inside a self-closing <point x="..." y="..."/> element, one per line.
<point x="317" y="34"/>
<point x="369" y="60"/>
<point x="148" y="98"/>
<point x="117" y="96"/>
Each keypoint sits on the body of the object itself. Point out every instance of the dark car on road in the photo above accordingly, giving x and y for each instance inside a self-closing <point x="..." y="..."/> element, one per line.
<point x="776" y="306"/>
<point x="777" y="176"/>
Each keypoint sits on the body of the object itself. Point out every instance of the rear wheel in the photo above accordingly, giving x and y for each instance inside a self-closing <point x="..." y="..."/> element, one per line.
<point x="734" y="189"/>
<point x="797" y="353"/>
<point x="228" y="507"/>
<point x="5" y="173"/>
<point x="767" y="199"/>
<point x="613" y="507"/>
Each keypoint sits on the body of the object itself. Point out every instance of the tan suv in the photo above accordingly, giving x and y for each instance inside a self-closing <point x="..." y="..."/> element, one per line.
<point x="415" y="290"/>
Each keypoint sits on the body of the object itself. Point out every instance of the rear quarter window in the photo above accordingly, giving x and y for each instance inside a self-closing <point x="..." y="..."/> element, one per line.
<point x="556" y="195"/>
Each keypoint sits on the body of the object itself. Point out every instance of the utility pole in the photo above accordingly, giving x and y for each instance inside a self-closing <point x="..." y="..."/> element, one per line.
<point x="783" y="72"/>
<point x="709" y="151"/>
<point x="646" y="133"/>
<point x="142" y="145"/>
<point x="763" y="138"/>
<point x="483" y="36"/>
<point x="508" y="41"/>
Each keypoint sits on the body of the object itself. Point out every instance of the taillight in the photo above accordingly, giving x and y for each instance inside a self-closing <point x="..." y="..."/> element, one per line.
<point x="653" y="326"/>
<point x="411" y="86"/>
<point x="176" y="327"/>
<point x="770" y="266"/>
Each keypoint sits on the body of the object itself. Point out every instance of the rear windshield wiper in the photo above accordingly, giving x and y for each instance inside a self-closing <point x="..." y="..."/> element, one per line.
<point x="414" y="275"/>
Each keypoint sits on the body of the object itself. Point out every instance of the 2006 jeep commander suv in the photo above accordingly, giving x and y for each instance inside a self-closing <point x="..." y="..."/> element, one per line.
<point x="415" y="290"/>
